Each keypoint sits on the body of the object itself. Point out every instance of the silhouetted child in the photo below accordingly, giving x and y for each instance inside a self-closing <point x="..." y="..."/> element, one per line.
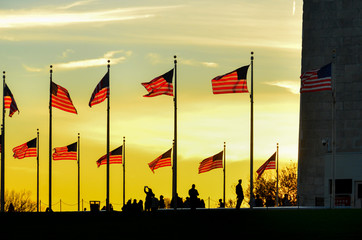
<point x="221" y="204"/>
<point x="258" y="201"/>
<point x="161" y="203"/>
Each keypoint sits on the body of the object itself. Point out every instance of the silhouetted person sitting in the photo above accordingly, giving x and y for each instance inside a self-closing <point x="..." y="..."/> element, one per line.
<point x="269" y="202"/>
<point x="178" y="202"/>
<point x="239" y="194"/>
<point x="285" y="200"/>
<point x="258" y="201"/>
<point x="193" y="193"/>
<point x="149" y="197"/>
<point x="221" y="204"/>
<point x="161" y="202"/>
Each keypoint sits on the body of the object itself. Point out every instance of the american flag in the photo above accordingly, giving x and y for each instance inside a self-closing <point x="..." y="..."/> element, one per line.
<point x="317" y="80"/>
<point x="66" y="153"/>
<point x="232" y="82"/>
<point x="27" y="149"/>
<point x="9" y="101"/>
<point x="160" y="85"/>
<point x="61" y="99"/>
<point x="211" y="163"/>
<point x="101" y="92"/>
<point x="269" y="164"/>
<point x="162" y="161"/>
<point x="115" y="157"/>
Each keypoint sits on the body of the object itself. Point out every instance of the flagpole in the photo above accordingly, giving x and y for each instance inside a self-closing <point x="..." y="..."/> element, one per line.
<point x="78" y="171"/>
<point x="3" y="152"/>
<point x="37" y="170"/>
<point x="124" y="170"/>
<point x="108" y="109"/>
<point x="50" y="138"/>
<point x="174" y="162"/>
<point x="224" y="172"/>
<point x="277" y="192"/>
<point x="251" y="130"/>
<point x="333" y="131"/>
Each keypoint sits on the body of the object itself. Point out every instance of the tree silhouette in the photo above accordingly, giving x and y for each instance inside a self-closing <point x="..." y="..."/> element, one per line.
<point x="265" y="186"/>
<point x="20" y="200"/>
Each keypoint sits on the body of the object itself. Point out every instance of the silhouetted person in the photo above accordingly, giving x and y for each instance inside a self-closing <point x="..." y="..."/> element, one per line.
<point x="239" y="194"/>
<point x="11" y="208"/>
<point x="177" y="201"/>
<point x="221" y="204"/>
<point x="149" y="196"/>
<point x="140" y="206"/>
<point x="285" y="200"/>
<point x="161" y="202"/>
<point x="193" y="193"/>
<point x="269" y="202"/>
<point x="258" y="201"/>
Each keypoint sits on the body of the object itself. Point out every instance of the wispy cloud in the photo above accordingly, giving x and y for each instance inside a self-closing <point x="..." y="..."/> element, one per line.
<point x="115" y="57"/>
<point x="32" y="69"/>
<point x="291" y="86"/>
<point x="76" y="4"/>
<point x="61" y="16"/>
<point x="155" y="58"/>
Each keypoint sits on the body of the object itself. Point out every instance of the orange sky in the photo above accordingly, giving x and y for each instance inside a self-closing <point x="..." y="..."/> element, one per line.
<point x="210" y="38"/>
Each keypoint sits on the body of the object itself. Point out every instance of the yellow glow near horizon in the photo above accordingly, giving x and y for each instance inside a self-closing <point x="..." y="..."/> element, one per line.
<point x="215" y="38"/>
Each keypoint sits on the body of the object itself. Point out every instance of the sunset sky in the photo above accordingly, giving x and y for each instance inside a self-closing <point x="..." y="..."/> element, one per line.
<point x="140" y="38"/>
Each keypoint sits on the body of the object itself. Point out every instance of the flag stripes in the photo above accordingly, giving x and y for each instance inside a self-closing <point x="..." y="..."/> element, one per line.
<point x="233" y="82"/>
<point x="161" y="85"/>
<point x="115" y="157"/>
<point x="269" y="164"/>
<point x="162" y="161"/>
<point x="211" y="163"/>
<point x="61" y="99"/>
<point x="101" y="92"/>
<point x="66" y="153"/>
<point x="27" y="149"/>
<point x="317" y="80"/>
<point x="9" y="101"/>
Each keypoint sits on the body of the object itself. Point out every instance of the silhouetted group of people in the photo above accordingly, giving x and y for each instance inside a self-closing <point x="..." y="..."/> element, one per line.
<point x="193" y="201"/>
<point x="270" y="201"/>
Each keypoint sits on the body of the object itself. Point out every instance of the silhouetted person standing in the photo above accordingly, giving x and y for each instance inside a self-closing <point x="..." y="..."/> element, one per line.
<point x="149" y="197"/>
<point x="193" y="193"/>
<point x="239" y="194"/>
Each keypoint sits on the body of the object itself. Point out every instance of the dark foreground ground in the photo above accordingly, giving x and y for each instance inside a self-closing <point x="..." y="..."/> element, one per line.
<point x="185" y="224"/>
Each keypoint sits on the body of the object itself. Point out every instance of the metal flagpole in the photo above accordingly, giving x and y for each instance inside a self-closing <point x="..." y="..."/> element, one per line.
<point x="3" y="152"/>
<point x="124" y="170"/>
<point x="78" y="171"/>
<point x="37" y="171"/>
<point x="251" y="130"/>
<point x="50" y="138"/>
<point x="333" y="132"/>
<point x="108" y="103"/>
<point x="277" y="192"/>
<point x="174" y="160"/>
<point x="224" y="172"/>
